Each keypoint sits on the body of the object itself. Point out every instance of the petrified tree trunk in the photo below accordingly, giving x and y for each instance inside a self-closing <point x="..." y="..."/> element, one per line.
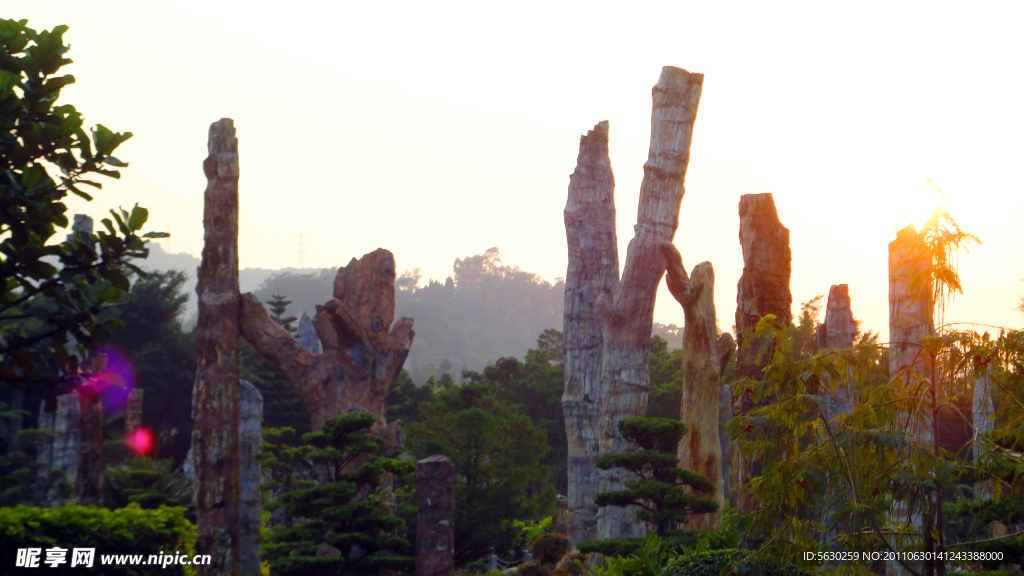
<point x="216" y="395"/>
<point x="764" y="286"/>
<point x="763" y="289"/>
<point x="66" y="422"/>
<point x="724" y="416"/>
<point x="910" y="315"/>
<point x="700" y="450"/>
<point x="435" y="526"/>
<point x="627" y="313"/>
<point x="593" y="270"/>
<point x="982" y="410"/>
<point x="250" y="435"/>
<point x="17" y="404"/>
<point x="837" y="331"/>
<point x="362" y="352"/>
<point x="133" y="411"/>
<point x="89" y="480"/>
<point x="306" y="335"/>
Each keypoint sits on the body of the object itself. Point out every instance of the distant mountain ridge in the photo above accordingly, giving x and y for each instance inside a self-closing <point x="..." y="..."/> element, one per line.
<point x="483" y="312"/>
<point x="249" y="279"/>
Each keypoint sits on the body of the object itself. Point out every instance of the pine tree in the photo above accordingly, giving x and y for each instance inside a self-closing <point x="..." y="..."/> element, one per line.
<point x="663" y="492"/>
<point x="362" y="532"/>
<point x="278" y="304"/>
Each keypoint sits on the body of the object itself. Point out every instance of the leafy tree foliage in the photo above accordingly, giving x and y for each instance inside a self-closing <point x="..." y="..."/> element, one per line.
<point x="363" y="531"/>
<point x="406" y="397"/>
<point x="664" y="493"/>
<point x="125" y="531"/>
<point x="163" y="357"/>
<point x="497" y="453"/>
<point x="823" y="473"/>
<point x="535" y="386"/>
<point x="666" y="384"/>
<point x="43" y="306"/>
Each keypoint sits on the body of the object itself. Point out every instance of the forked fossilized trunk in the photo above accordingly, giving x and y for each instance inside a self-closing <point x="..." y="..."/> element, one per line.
<point x="627" y="314"/>
<point x="362" y="354"/>
<point x="700" y="450"/>
<point x="216" y="396"/>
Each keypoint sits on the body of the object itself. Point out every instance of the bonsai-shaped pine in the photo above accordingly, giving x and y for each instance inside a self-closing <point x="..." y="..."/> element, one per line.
<point x="342" y="510"/>
<point x="282" y="462"/>
<point x="663" y="492"/>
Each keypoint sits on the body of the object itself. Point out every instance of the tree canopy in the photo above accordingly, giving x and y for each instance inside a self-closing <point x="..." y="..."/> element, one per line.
<point x="54" y="294"/>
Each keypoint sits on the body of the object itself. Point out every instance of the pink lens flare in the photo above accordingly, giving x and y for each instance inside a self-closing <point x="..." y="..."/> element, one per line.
<point x="113" y="382"/>
<point x="140" y="441"/>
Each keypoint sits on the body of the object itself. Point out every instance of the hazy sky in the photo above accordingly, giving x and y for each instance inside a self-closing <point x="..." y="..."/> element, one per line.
<point x="438" y="130"/>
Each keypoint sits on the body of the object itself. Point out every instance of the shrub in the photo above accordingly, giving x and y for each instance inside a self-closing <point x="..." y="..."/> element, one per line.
<point x="129" y="531"/>
<point x="712" y="562"/>
<point x="675" y="541"/>
<point x="533" y="569"/>
<point x="549" y="548"/>
<point x="573" y="567"/>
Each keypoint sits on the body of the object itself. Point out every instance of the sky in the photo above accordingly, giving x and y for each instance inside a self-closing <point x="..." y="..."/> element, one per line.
<point x="438" y="130"/>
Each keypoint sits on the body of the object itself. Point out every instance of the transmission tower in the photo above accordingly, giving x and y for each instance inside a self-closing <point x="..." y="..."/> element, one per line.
<point x="302" y="249"/>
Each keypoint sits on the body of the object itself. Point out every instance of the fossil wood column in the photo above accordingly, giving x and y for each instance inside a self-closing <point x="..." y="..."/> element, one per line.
<point x="435" y="526"/>
<point x="763" y="289"/>
<point x="700" y="450"/>
<point x="250" y="433"/>
<point x="910" y="317"/>
<point x="837" y="331"/>
<point x="593" y="270"/>
<point x="627" y="314"/>
<point x="216" y="395"/>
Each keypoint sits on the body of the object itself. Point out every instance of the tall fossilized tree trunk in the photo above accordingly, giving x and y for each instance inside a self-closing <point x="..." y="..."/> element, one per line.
<point x="593" y="270"/>
<point x="216" y="396"/>
<point x="837" y="331"/>
<point x="764" y="286"/>
<point x="910" y="315"/>
<point x="982" y="410"/>
<point x="250" y="433"/>
<point x="89" y="479"/>
<point x="362" y="354"/>
<point x="763" y="289"/>
<point x="627" y="313"/>
<point x="700" y="450"/>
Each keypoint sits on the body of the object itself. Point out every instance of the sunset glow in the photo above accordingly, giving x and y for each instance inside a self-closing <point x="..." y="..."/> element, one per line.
<point x="439" y="131"/>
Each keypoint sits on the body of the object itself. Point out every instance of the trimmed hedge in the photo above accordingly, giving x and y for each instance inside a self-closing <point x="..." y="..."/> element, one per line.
<point x="125" y="531"/>
<point x="712" y="562"/>
<point x="674" y="541"/>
